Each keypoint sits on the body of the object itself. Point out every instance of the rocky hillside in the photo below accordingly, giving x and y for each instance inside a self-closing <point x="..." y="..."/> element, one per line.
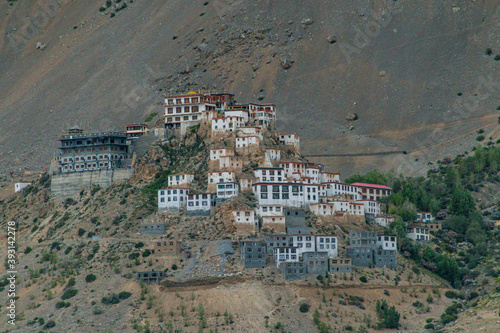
<point x="421" y="77"/>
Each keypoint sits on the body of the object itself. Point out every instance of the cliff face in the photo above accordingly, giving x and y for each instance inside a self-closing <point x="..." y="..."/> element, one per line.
<point x="416" y="74"/>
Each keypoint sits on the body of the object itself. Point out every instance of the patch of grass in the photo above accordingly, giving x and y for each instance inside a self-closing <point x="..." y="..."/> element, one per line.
<point x="150" y="117"/>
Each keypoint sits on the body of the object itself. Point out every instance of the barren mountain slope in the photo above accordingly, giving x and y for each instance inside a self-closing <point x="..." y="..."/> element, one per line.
<point x="416" y="73"/>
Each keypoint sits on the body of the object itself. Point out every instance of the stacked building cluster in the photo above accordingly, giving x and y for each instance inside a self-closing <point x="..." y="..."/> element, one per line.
<point x="284" y="185"/>
<point x="298" y="252"/>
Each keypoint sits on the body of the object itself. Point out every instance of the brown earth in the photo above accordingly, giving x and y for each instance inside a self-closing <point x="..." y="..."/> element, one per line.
<point x="419" y="80"/>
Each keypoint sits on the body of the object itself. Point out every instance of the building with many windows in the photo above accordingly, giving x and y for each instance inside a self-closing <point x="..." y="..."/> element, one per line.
<point x="200" y="204"/>
<point x="227" y="190"/>
<point x="173" y="199"/>
<point x="373" y="191"/>
<point x="184" y="111"/>
<point x="92" y="151"/>
<point x="180" y="179"/>
<point x="286" y="194"/>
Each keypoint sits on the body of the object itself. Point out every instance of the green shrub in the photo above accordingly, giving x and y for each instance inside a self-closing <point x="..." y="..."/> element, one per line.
<point x="304" y="307"/>
<point x="497" y="57"/>
<point x="133" y="255"/>
<point x="473" y="295"/>
<point x="112" y="299"/>
<point x="27" y="250"/>
<point x="450" y="294"/>
<point x="60" y="305"/>
<point x="97" y="310"/>
<point x="139" y="245"/>
<point x="124" y="295"/>
<point x="90" y="278"/>
<point x="174" y="267"/>
<point x="69" y="293"/>
<point x="446" y="318"/>
<point x="68" y="250"/>
<point x="363" y="279"/>
<point x="429" y="326"/>
<point x="146" y="253"/>
<point x="488" y="51"/>
<point x="81" y="232"/>
<point x="71" y="283"/>
<point x="480" y="138"/>
<point x="50" y="324"/>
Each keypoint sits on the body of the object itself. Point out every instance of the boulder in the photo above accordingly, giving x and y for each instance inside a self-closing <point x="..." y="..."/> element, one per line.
<point x="331" y="39"/>
<point x="286" y="63"/>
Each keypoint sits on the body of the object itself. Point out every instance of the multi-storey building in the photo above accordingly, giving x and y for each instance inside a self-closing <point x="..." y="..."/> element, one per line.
<point x="221" y="101"/>
<point x="425" y="217"/>
<point x="136" y="130"/>
<point x="263" y="114"/>
<point x="253" y="254"/>
<point x="275" y="240"/>
<point x="373" y="191"/>
<point x="184" y="111"/>
<point x="384" y="220"/>
<point x="387" y="242"/>
<point x="199" y="204"/>
<point x="166" y="247"/>
<point x="231" y="163"/>
<point x="303" y="243"/>
<point x="180" y="179"/>
<point x="269" y="174"/>
<point x="286" y="194"/>
<point x="340" y="265"/>
<point x="285" y="254"/>
<point x="227" y="124"/>
<point x="250" y="131"/>
<point x="270" y="210"/>
<point x="93" y="151"/>
<point x="420" y="234"/>
<point x="216" y="177"/>
<point x="291" y="140"/>
<point x="173" y="199"/>
<point x="244" y="216"/>
<point x="227" y="190"/>
<point x="247" y="142"/>
<point x="316" y="262"/>
<point x="217" y="153"/>
<point x="327" y="243"/>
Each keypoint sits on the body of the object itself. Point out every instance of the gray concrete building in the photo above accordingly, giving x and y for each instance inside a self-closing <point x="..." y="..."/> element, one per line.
<point x="92" y="151"/>
<point x="298" y="230"/>
<point x="363" y="239"/>
<point x="253" y="253"/>
<point x="316" y="263"/>
<point x="361" y="255"/>
<point x="293" y="271"/>
<point x="385" y="258"/>
<point x="273" y="241"/>
<point x="153" y="229"/>
<point x="151" y="276"/>
<point x="295" y="217"/>
<point x="340" y="265"/>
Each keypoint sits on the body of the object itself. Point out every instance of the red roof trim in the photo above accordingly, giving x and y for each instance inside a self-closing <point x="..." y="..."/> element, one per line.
<point x="372" y="185"/>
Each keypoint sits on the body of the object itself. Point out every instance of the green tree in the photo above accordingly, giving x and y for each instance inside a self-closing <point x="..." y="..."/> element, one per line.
<point x="462" y="202"/>
<point x="398" y="227"/>
<point x="434" y="206"/>
<point x="388" y="317"/>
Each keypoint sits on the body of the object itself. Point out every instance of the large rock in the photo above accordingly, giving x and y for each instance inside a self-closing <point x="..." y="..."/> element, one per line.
<point x="286" y="63"/>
